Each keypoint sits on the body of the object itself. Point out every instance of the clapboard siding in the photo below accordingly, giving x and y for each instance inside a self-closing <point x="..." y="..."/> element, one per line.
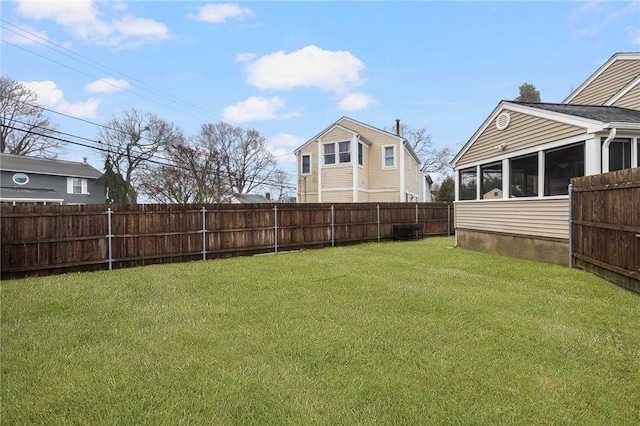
<point x="524" y="131"/>
<point x="631" y="99"/>
<point x="607" y="84"/>
<point x="537" y="218"/>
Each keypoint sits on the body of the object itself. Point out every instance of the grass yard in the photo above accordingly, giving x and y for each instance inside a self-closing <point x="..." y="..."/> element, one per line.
<point x="391" y="333"/>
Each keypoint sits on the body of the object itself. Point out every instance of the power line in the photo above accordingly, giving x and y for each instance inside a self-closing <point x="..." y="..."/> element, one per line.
<point x="110" y="151"/>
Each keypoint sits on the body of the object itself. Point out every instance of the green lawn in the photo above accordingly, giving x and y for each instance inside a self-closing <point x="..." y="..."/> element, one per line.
<point x="390" y="333"/>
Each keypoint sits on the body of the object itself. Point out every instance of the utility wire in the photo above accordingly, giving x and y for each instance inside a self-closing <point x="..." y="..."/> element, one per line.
<point x="110" y="151"/>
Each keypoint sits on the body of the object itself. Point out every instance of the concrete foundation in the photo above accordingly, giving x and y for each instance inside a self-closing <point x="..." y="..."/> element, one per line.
<point x="533" y="248"/>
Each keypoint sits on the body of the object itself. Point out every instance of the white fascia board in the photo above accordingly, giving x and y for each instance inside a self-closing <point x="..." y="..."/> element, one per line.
<point x="623" y="91"/>
<point x="477" y="133"/>
<point x="625" y="126"/>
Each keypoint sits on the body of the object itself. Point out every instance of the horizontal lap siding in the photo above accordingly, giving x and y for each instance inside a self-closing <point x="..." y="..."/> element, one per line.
<point x="524" y="131"/>
<point x="631" y="99"/>
<point x="337" y="177"/>
<point x="537" y="218"/>
<point x="607" y="84"/>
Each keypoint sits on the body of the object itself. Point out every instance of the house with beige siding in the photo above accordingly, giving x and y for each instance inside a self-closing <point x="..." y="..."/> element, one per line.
<point x="353" y="162"/>
<point x="512" y="177"/>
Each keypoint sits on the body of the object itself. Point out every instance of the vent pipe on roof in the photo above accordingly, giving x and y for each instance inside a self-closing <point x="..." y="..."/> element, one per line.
<point x="397" y="127"/>
<point x="84" y="160"/>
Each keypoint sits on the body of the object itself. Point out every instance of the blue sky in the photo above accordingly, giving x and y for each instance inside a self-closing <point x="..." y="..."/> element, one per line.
<point x="289" y="69"/>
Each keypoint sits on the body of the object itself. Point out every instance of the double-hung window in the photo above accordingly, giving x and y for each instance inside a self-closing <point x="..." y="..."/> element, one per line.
<point x="306" y="164"/>
<point x="389" y="156"/>
<point x="342" y="156"/>
<point x="76" y="186"/>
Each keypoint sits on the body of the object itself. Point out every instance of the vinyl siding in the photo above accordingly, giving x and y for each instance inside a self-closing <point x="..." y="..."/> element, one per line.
<point x="337" y="196"/>
<point x="308" y="184"/>
<point x="337" y="177"/>
<point x="410" y="181"/>
<point x="385" y="197"/>
<point x="538" y="218"/>
<point x="378" y="178"/>
<point x="607" y="84"/>
<point x="337" y="135"/>
<point x="524" y="131"/>
<point x="631" y="99"/>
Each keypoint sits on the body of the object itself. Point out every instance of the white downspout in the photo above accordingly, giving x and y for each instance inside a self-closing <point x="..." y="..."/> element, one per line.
<point x="605" y="149"/>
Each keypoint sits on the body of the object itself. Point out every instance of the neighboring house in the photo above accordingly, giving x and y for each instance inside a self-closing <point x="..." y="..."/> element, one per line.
<point x="353" y="162"/>
<point x="249" y="199"/>
<point x="31" y="180"/>
<point x="512" y="176"/>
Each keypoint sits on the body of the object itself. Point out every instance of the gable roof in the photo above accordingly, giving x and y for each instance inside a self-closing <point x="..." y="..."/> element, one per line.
<point x="343" y="123"/>
<point x="45" y="166"/>
<point x="251" y="198"/>
<point x="592" y="117"/>
<point x="607" y="68"/>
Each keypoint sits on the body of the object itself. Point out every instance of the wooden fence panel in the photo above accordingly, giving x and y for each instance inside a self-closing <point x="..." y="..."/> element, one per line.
<point x="46" y="239"/>
<point x="606" y="226"/>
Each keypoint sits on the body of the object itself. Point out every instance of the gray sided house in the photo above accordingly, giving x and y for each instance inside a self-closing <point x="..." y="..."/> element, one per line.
<point x="512" y="176"/>
<point x="29" y="180"/>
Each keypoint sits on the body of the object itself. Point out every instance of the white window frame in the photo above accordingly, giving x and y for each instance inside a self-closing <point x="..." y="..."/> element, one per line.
<point x="302" y="172"/>
<point x="384" y="157"/>
<point x="337" y="153"/>
<point x="17" y="176"/>
<point x="71" y="184"/>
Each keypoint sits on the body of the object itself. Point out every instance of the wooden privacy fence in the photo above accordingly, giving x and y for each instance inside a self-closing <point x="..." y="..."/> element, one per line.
<point x="605" y="226"/>
<point x="38" y="240"/>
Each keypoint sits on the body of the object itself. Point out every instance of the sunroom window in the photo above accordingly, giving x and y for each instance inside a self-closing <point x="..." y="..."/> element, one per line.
<point x="468" y="181"/>
<point x="560" y="165"/>
<point x="619" y="154"/>
<point x="524" y="176"/>
<point x="491" y="186"/>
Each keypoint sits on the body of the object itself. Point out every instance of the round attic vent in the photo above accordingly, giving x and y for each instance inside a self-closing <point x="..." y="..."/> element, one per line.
<point x="503" y="121"/>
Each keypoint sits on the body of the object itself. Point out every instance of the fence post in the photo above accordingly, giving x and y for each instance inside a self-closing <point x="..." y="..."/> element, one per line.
<point x="333" y="242"/>
<point x="416" y="212"/>
<point x="204" y="233"/>
<point x="378" y="219"/>
<point x="571" y="225"/>
<point x="275" y="228"/>
<point x="109" y="238"/>
<point x="448" y="220"/>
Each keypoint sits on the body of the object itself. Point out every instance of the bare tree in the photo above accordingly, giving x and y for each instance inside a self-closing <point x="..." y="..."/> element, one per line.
<point x="280" y="185"/>
<point x="245" y="162"/>
<point x="24" y="128"/>
<point x="133" y="140"/>
<point x="192" y="176"/>
<point x="432" y="160"/>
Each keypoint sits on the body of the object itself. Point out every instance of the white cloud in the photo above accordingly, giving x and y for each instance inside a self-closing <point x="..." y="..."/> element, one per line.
<point x="107" y="85"/>
<point x="356" y="102"/>
<point x="219" y="13"/>
<point x="107" y="26"/>
<point x="331" y="71"/>
<point x="245" y="57"/>
<point x="257" y="108"/>
<point x="52" y="97"/>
